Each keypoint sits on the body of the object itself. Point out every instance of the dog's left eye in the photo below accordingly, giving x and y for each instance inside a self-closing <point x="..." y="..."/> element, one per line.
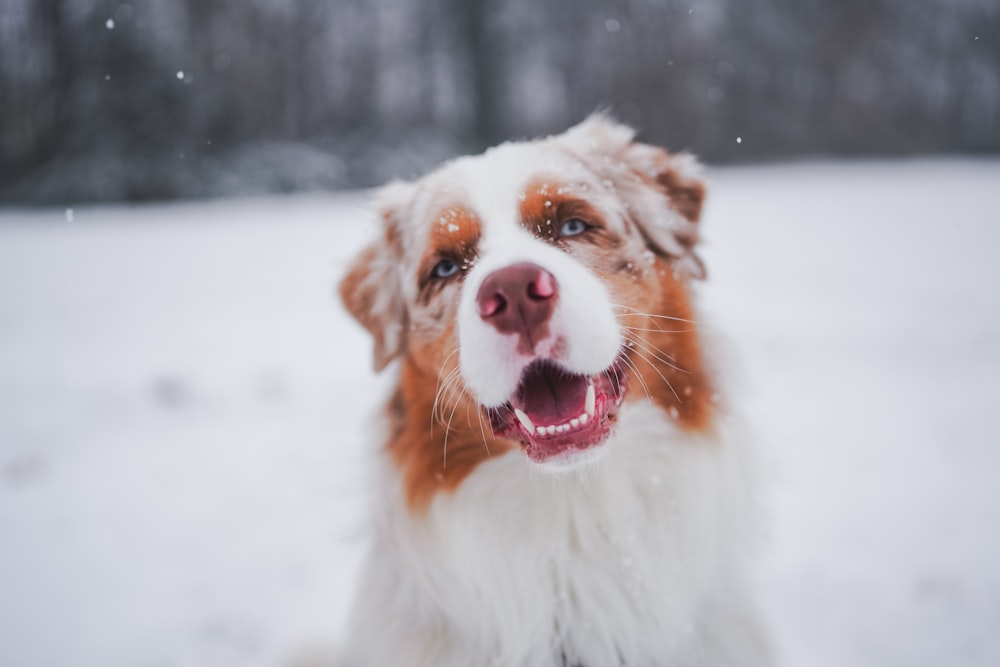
<point x="445" y="269"/>
<point x="573" y="227"/>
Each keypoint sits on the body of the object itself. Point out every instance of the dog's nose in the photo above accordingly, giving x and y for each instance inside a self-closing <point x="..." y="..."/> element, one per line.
<point x="519" y="299"/>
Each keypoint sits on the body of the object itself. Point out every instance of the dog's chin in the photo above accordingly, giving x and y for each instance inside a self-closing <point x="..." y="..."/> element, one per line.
<point x="571" y="461"/>
<point x="561" y="419"/>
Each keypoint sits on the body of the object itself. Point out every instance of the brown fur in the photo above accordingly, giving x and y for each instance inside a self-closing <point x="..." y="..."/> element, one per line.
<point x="666" y="356"/>
<point x="454" y="236"/>
<point x="548" y="205"/>
<point x="436" y="446"/>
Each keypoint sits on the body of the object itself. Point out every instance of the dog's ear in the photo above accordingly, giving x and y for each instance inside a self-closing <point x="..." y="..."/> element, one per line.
<point x="371" y="290"/>
<point x="673" y="233"/>
<point x="664" y="191"/>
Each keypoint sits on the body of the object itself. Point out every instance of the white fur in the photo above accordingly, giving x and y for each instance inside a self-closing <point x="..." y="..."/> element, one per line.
<point x="636" y="561"/>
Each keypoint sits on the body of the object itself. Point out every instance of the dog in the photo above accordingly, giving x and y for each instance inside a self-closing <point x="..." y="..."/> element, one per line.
<point x="557" y="480"/>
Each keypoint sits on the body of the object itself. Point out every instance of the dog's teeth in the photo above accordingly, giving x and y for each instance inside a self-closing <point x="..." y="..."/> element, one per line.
<point x="574" y="422"/>
<point x="540" y="430"/>
<point x="525" y="421"/>
<point x="584" y="418"/>
<point x="550" y="430"/>
<point x="591" y="400"/>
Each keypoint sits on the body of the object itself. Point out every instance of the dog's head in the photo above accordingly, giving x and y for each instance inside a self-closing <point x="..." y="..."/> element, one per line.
<point x="529" y="292"/>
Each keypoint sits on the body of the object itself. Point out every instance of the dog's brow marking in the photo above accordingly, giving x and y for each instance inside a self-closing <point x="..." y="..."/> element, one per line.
<point x="454" y="235"/>
<point x="544" y="206"/>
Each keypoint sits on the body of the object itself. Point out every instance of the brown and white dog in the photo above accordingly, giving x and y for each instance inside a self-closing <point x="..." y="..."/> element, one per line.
<point x="557" y="482"/>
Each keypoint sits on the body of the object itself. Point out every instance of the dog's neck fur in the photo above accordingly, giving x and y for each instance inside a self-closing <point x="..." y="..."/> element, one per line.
<point x="530" y="568"/>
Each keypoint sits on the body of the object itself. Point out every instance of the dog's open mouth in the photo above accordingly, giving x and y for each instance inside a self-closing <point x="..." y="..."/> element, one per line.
<point x="555" y="413"/>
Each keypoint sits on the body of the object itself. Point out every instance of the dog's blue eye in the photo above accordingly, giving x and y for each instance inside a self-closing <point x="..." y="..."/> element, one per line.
<point x="573" y="227"/>
<point x="445" y="269"/>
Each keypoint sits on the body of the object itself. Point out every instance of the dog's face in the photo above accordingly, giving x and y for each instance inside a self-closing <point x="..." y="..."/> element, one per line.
<point x="530" y="292"/>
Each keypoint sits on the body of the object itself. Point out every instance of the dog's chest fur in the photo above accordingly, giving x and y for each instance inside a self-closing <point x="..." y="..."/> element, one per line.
<point x="604" y="567"/>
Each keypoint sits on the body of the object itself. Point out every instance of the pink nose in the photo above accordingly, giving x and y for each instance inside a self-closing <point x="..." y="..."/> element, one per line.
<point x="519" y="299"/>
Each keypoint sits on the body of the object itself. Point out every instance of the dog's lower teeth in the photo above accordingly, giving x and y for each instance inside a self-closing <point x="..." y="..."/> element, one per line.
<point x="589" y="406"/>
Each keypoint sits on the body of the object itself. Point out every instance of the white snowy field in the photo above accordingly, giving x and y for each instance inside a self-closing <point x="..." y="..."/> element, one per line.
<point x="181" y="406"/>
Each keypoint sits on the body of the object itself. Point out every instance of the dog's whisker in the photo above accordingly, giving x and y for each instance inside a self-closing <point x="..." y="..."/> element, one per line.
<point x="658" y="354"/>
<point x="445" y="395"/>
<point x="441" y="401"/>
<point x="638" y="375"/>
<point x="629" y="327"/>
<point x="441" y="384"/>
<point x="636" y="311"/>
<point x="482" y="429"/>
<point x="447" y="432"/>
<point x="657" y="370"/>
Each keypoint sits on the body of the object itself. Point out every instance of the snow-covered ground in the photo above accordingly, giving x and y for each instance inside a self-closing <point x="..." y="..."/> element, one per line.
<point x="181" y="404"/>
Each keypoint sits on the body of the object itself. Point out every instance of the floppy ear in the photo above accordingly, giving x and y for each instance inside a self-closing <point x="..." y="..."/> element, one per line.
<point x="673" y="233"/>
<point x="664" y="191"/>
<point x="372" y="291"/>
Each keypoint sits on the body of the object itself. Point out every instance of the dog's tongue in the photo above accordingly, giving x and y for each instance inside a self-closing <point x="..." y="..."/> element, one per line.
<point x="549" y="394"/>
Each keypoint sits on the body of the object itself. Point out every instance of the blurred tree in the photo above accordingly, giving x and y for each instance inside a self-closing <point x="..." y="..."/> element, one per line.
<point x="140" y="99"/>
<point x="476" y="27"/>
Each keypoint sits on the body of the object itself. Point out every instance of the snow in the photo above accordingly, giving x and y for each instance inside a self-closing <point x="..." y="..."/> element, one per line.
<point x="181" y="402"/>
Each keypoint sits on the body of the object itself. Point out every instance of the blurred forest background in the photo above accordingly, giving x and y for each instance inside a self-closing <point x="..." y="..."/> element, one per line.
<point x="103" y="100"/>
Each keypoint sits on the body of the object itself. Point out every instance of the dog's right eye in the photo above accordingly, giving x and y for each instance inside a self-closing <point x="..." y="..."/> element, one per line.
<point x="573" y="227"/>
<point x="445" y="269"/>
